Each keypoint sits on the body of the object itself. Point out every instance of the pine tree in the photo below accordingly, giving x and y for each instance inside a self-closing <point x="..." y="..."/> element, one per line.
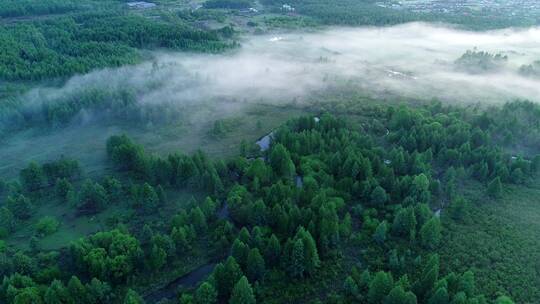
<point x="206" y="294"/>
<point x="149" y="198"/>
<point x="32" y="177"/>
<point x="240" y="253"/>
<point x="380" y="287"/>
<point x="6" y="220"/>
<point x="439" y="297"/>
<point x="405" y="223"/>
<point x="378" y="196"/>
<point x="350" y="287"/>
<point x="428" y="277"/>
<point x="226" y="276"/>
<point x="380" y="233"/>
<point x="297" y="260"/>
<point x="255" y="268"/>
<point x="76" y="289"/>
<point x="157" y="258"/>
<point x="311" y="255"/>
<point x="396" y="296"/>
<point x="20" y="206"/>
<point x="466" y="283"/>
<point x="272" y="252"/>
<point x="132" y="297"/>
<point x="280" y="160"/>
<point x="62" y="188"/>
<point x="244" y="235"/>
<point x="430" y="234"/>
<point x="198" y="219"/>
<point x="242" y="293"/>
<point x="328" y="229"/>
<point x="56" y="293"/>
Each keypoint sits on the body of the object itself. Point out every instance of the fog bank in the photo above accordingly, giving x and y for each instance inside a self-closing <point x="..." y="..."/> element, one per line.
<point x="414" y="60"/>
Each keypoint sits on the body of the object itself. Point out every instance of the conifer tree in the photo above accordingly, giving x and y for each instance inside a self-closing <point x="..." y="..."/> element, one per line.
<point x="255" y="268"/>
<point x="206" y="294"/>
<point x="242" y="293"/>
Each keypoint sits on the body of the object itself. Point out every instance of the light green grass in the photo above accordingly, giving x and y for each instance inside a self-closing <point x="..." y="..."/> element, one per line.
<point x="73" y="227"/>
<point x="500" y="241"/>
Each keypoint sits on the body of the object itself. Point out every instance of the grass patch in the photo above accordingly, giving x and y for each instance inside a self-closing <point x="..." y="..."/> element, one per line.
<point x="499" y="241"/>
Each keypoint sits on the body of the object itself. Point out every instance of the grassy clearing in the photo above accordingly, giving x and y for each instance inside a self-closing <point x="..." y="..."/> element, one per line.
<point x="86" y="143"/>
<point x="73" y="226"/>
<point x="499" y="241"/>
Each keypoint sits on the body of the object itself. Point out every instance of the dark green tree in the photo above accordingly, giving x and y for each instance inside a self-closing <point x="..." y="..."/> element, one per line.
<point x="205" y="294"/>
<point x="297" y="260"/>
<point x="242" y="293"/>
<point x="439" y="297"/>
<point x="20" y="206"/>
<point x="380" y="287"/>
<point x="272" y="252"/>
<point x="379" y="196"/>
<point x="132" y="297"/>
<point x="32" y="177"/>
<point x="56" y="293"/>
<point x="430" y="234"/>
<point x="280" y="160"/>
<point x="381" y="233"/>
<point x="255" y="268"/>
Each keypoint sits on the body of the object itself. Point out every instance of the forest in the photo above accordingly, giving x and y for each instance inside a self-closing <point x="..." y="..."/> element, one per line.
<point x="243" y="152"/>
<point x="81" y="39"/>
<point x="329" y="212"/>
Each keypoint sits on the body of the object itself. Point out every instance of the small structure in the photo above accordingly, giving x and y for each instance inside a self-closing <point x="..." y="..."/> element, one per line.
<point x="287" y="7"/>
<point x="140" y="5"/>
<point x="275" y="39"/>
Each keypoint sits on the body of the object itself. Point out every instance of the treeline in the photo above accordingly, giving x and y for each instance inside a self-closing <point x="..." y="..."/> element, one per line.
<point x="346" y="12"/>
<point x="515" y="125"/>
<point x="196" y="171"/>
<point x="474" y="61"/>
<point x="368" y="12"/>
<point x="88" y="104"/>
<point x="455" y="143"/>
<point x="530" y="70"/>
<point x="19" y="8"/>
<point x="78" y="43"/>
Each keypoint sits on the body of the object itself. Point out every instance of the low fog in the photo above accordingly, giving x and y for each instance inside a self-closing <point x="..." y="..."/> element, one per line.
<point x="413" y="60"/>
